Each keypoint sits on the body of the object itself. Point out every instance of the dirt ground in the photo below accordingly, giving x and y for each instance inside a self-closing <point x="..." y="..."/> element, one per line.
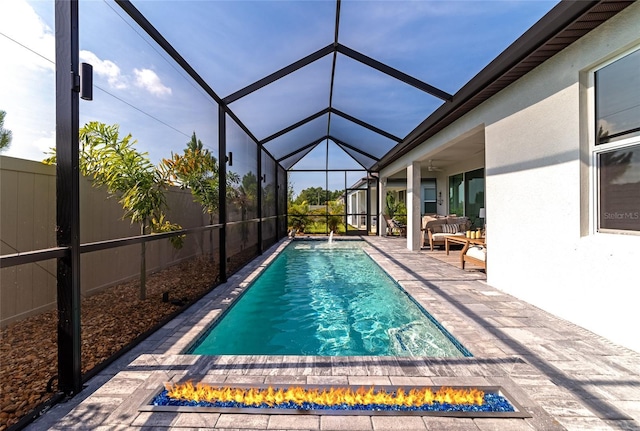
<point x="111" y="319"/>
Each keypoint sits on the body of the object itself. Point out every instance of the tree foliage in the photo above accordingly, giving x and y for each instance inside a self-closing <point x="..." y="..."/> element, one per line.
<point x="395" y="209"/>
<point x="318" y="196"/>
<point x="139" y="185"/>
<point x="336" y="215"/>
<point x="298" y="216"/>
<point x="5" y="135"/>
<point x="197" y="170"/>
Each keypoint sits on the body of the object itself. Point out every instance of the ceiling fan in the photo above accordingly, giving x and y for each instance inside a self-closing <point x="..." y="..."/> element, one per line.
<point x="432" y="168"/>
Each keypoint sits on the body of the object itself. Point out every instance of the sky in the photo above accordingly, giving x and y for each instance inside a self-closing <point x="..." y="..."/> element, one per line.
<point x="231" y="44"/>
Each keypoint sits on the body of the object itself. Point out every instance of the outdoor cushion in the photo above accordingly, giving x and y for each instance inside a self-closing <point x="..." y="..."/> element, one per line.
<point x="430" y="222"/>
<point x="442" y="235"/>
<point x="477" y="252"/>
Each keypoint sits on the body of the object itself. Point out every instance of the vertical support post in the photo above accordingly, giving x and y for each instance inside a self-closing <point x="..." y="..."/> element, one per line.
<point x="382" y="201"/>
<point x="286" y="198"/>
<point x="260" y="189"/>
<point x="68" y="195"/>
<point x="413" y="206"/>
<point x="222" y="196"/>
<point x="346" y="205"/>
<point x="368" y="204"/>
<point x="277" y="202"/>
<point x="326" y="188"/>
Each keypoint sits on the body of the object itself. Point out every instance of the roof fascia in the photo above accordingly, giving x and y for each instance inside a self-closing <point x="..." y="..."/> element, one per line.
<point x="550" y="25"/>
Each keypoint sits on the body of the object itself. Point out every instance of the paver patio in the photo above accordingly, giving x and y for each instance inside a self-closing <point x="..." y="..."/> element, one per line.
<point x="565" y="376"/>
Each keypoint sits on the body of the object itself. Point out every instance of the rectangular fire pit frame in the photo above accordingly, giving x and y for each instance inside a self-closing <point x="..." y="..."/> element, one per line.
<point x="518" y="413"/>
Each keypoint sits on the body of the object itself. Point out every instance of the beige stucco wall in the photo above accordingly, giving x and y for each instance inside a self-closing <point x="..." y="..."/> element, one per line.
<point x="539" y="199"/>
<point x="28" y="220"/>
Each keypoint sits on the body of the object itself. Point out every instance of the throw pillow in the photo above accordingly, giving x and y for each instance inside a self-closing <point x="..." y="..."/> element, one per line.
<point x="450" y="228"/>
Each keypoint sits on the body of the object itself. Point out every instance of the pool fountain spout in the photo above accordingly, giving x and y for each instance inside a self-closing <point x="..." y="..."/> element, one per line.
<point x="330" y="237"/>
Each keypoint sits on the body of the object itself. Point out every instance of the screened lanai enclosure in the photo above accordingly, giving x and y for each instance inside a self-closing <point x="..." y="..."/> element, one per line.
<point x="189" y="138"/>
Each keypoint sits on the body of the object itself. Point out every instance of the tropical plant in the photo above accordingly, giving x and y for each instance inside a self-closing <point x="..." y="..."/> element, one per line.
<point x="114" y="163"/>
<point x="198" y="170"/>
<point x="336" y="215"/>
<point x="244" y="197"/>
<point x="298" y="216"/>
<point x="395" y="209"/>
<point x="401" y="213"/>
<point x="391" y="204"/>
<point x="5" y="135"/>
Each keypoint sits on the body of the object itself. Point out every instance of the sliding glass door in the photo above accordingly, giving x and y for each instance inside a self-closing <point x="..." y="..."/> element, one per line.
<point x="466" y="195"/>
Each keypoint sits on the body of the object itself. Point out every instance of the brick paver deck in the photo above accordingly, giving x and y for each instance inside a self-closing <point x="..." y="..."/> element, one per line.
<point x="565" y="376"/>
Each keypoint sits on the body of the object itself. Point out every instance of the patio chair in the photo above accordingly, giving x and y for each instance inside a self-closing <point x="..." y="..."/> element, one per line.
<point x="395" y="226"/>
<point x="476" y="254"/>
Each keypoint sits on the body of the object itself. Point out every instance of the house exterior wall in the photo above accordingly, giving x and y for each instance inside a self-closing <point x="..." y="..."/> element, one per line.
<point x="542" y="246"/>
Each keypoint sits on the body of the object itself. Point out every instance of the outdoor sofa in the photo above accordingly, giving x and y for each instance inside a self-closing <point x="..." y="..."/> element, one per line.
<point x="436" y="227"/>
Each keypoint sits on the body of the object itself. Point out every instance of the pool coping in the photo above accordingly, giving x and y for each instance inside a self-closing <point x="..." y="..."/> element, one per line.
<point x="201" y="324"/>
<point x="215" y="304"/>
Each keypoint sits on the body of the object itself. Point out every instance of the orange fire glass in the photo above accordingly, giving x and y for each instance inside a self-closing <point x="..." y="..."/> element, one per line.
<point x="270" y="396"/>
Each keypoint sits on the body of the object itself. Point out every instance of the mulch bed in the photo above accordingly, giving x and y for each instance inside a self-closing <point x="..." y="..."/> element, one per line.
<point x="111" y="319"/>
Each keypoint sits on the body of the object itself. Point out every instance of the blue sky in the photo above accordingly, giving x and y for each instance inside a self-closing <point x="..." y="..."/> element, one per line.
<point x="234" y="43"/>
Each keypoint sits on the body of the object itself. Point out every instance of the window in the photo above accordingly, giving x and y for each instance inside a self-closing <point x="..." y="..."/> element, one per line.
<point x="618" y="99"/>
<point x="619" y="186"/>
<point x="617" y="144"/>
<point x="429" y="200"/>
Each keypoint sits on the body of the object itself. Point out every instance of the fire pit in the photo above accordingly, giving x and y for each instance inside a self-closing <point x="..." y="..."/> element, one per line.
<point x="325" y="400"/>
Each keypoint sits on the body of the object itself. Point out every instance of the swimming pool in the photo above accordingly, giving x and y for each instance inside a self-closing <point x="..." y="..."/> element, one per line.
<point x="324" y="299"/>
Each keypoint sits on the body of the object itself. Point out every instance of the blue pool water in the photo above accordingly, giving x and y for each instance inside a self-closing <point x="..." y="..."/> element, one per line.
<point x="324" y="299"/>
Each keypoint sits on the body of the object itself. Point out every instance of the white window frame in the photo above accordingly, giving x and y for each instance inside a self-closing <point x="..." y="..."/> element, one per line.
<point x="595" y="150"/>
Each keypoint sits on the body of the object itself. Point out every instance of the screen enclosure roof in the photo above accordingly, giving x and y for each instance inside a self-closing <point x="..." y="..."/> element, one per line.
<point x="362" y="80"/>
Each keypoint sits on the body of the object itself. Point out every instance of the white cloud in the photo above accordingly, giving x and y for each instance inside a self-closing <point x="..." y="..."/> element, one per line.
<point x="105" y="68"/>
<point x="27" y="79"/>
<point x="147" y="79"/>
<point x="29" y="37"/>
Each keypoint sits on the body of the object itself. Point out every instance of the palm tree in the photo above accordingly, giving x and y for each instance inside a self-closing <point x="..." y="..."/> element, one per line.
<point x="5" y="135"/>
